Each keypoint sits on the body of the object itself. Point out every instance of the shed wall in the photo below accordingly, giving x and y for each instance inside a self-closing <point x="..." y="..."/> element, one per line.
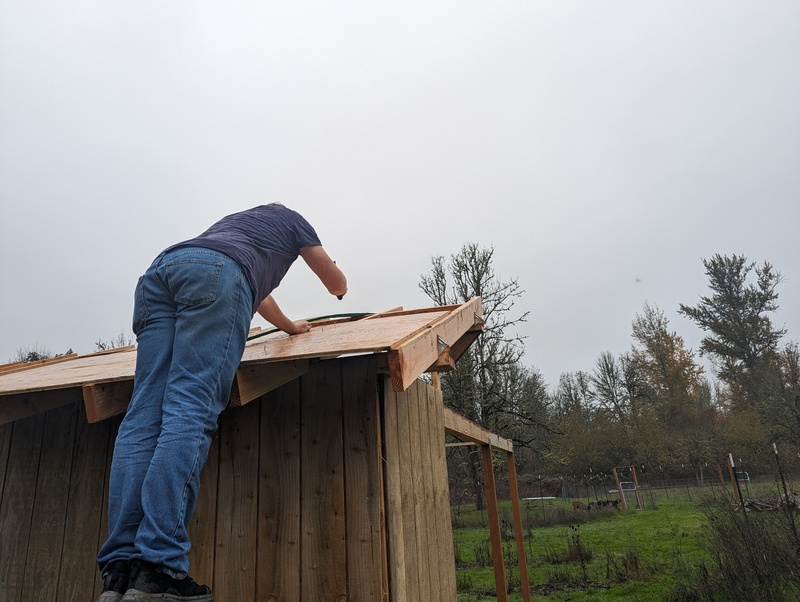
<point x="329" y="488"/>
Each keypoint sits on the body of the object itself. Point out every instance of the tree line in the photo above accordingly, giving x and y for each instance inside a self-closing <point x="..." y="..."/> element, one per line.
<point x="652" y="406"/>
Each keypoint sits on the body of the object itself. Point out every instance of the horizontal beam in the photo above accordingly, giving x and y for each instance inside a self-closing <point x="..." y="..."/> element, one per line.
<point x="458" y="426"/>
<point x="251" y="382"/>
<point x="21" y="405"/>
<point x="104" y="400"/>
<point x="447" y="359"/>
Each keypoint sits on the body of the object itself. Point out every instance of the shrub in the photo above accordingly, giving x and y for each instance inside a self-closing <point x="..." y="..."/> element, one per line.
<point x="755" y="556"/>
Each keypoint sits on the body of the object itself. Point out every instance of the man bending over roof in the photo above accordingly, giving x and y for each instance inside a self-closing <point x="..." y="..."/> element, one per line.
<point x="191" y="317"/>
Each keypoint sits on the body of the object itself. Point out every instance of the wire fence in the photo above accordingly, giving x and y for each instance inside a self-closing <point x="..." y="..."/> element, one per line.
<point x="649" y="492"/>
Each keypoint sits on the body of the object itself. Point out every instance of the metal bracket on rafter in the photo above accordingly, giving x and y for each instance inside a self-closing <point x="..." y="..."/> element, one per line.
<point x="441" y="343"/>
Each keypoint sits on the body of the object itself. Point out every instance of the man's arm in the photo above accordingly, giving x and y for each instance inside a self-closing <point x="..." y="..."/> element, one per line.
<point x="326" y="269"/>
<point x="272" y="313"/>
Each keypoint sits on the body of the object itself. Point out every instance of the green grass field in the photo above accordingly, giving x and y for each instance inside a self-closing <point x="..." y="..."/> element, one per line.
<point x="605" y="555"/>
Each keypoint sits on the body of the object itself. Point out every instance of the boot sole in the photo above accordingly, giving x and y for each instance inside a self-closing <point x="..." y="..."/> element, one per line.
<point x="134" y="595"/>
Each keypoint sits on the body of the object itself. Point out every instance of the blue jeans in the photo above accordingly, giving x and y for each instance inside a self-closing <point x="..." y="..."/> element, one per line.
<point x="191" y="316"/>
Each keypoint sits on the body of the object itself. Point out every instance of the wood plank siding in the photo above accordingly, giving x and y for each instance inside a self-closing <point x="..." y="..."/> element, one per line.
<point x="331" y="487"/>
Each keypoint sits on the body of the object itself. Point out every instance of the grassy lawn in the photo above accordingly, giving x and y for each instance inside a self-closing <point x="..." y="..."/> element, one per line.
<point x="604" y="555"/>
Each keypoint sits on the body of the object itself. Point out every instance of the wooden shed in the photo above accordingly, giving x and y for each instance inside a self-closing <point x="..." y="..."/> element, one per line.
<point x="326" y="480"/>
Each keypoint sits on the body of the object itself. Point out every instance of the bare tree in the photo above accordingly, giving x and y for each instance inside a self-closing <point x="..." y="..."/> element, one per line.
<point x="121" y="340"/>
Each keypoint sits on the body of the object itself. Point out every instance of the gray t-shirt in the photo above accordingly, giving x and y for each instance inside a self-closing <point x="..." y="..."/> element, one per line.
<point x="264" y="241"/>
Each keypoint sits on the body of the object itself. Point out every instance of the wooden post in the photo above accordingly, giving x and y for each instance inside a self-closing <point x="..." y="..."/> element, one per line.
<point x="619" y="490"/>
<point x="494" y="523"/>
<point x="636" y="484"/>
<point x="729" y="462"/>
<point x="721" y="477"/>
<point x="518" y="532"/>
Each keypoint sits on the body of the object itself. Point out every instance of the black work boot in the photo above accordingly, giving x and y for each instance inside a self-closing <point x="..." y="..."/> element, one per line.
<point x="147" y="584"/>
<point x="115" y="581"/>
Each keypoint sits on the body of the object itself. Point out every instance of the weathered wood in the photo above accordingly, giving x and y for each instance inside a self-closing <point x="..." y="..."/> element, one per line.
<point x="407" y="502"/>
<point x="104" y="400"/>
<point x="362" y="466"/>
<point x="203" y="525"/>
<point x="279" y="496"/>
<point x="22" y="405"/>
<point x="444" y="530"/>
<point x="323" y="561"/>
<point x="237" y="510"/>
<point x="411" y="356"/>
<point x="399" y="575"/>
<point x="425" y="483"/>
<point x="103" y="534"/>
<point x="382" y="497"/>
<point x="16" y="507"/>
<point x="493" y="514"/>
<point x="83" y="525"/>
<point x="458" y="426"/>
<point x="5" y="445"/>
<point x="253" y="381"/>
<point x="43" y="560"/>
<point x="415" y="445"/>
<point x="331" y="487"/>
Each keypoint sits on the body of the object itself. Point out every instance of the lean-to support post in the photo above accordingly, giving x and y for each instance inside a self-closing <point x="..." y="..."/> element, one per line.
<point x="518" y="533"/>
<point x="494" y="523"/>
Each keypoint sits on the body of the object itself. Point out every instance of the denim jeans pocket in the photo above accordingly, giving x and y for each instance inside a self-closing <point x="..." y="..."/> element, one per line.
<point x="140" y="311"/>
<point x="193" y="281"/>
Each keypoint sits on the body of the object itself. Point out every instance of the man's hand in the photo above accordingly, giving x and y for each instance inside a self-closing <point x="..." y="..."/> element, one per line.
<point x="299" y="327"/>
<point x="269" y="310"/>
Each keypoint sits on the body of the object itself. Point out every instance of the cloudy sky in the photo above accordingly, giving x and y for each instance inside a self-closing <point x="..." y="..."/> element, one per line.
<point x="602" y="148"/>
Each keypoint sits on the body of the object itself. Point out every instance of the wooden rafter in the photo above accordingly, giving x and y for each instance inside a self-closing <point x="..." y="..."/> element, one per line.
<point x="462" y="428"/>
<point x="413" y="355"/>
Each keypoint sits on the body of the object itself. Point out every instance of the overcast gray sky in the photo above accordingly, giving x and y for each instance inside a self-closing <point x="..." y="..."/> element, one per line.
<point x="603" y="148"/>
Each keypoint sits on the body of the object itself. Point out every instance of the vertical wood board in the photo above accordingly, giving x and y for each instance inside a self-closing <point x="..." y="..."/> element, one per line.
<point x="362" y="480"/>
<point x="398" y="575"/>
<point x="203" y="525"/>
<point x="5" y="446"/>
<point x="279" y="496"/>
<point x="407" y="503"/>
<point x="415" y="458"/>
<point x="82" y="524"/>
<point x="323" y="562"/>
<point x="102" y="536"/>
<point x="43" y="562"/>
<point x="16" y="507"/>
<point x="429" y="438"/>
<point x="237" y="511"/>
<point x="444" y="530"/>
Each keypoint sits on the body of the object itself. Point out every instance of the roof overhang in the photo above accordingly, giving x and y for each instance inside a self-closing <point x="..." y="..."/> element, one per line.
<point x="413" y="342"/>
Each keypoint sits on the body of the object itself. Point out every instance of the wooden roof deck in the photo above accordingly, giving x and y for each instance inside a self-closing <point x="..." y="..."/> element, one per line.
<point x="413" y="342"/>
